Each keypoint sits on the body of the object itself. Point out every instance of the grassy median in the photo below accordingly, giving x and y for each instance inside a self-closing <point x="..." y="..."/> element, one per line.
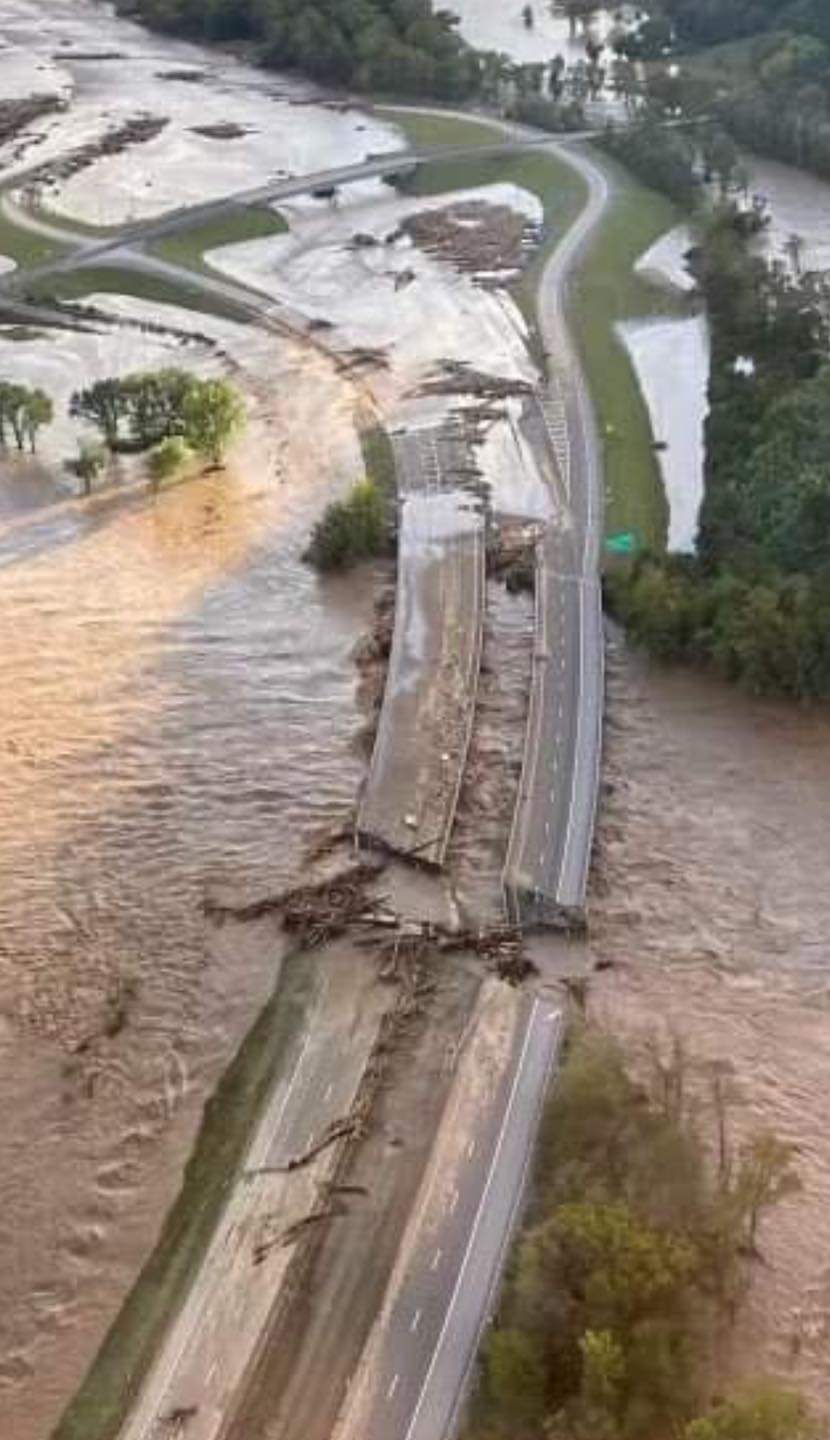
<point x="100" y="1406"/>
<point x="234" y="227"/>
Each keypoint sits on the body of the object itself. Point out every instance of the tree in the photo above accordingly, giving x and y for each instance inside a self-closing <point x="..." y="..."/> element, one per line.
<point x="105" y="404"/>
<point x="14" y="405"/>
<point x="794" y="247"/>
<point x="603" y="1376"/>
<point x="170" y="456"/>
<point x="25" y="411"/>
<point x="38" y="411"/>
<point x="214" y="413"/>
<point x="515" y="1374"/>
<point x="764" y="1413"/>
<point x="765" y="1177"/>
<point x="155" y="403"/>
<point x="350" y="530"/>
<point x="90" y="462"/>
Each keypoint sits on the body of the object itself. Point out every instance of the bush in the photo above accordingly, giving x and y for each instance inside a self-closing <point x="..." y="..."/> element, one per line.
<point x="352" y="529"/>
<point x="168" y="458"/>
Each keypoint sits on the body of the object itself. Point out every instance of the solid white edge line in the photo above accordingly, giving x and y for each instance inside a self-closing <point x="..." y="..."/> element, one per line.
<point x="477" y="1222"/>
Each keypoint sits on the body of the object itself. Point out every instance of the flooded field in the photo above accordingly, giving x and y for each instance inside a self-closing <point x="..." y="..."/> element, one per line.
<point x="799" y="204"/>
<point x="275" y="129"/>
<point x="500" y="25"/>
<point x="672" y="358"/>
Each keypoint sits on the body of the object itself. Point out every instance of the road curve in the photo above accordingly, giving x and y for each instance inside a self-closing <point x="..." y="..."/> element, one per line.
<point x="546" y="872"/>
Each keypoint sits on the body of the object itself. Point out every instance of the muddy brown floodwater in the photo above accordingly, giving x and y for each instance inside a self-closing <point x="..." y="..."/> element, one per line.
<point x="711" y="900"/>
<point x="177" y="719"/>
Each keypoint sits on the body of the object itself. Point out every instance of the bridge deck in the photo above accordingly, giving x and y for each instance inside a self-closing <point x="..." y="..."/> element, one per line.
<point x="423" y="735"/>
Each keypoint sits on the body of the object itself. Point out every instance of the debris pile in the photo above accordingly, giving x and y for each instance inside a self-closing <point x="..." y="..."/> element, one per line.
<point x="511" y="556"/>
<point x="478" y="238"/>
<point x="315" y="913"/>
<point x="16" y="115"/>
<point x="136" y="131"/>
<point x="318" y="913"/>
<point x="223" y="130"/>
<point x="458" y="378"/>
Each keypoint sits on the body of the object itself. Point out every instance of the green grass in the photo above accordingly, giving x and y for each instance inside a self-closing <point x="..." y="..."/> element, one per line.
<point x="98" y="1409"/>
<point x="26" y="247"/>
<point x="80" y="284"/>
<point x="424" y="130"/>
<point x="188" y="247"/>
<point x="379" y="459"/>
<point x="606" y="291"/>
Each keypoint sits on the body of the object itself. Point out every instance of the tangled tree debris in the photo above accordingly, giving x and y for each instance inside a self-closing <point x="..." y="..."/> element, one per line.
<point x="314" y="913"/>
<point x="458" y="378"/>
<point x="476" y="236"/>
<point x="136" y="131"/>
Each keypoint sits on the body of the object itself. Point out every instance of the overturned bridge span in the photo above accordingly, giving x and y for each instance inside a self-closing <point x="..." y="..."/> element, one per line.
<point x="410" y="798"/>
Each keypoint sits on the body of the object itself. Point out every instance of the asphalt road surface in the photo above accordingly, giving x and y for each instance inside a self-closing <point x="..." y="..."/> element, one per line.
<point x="432" y="1326"/>
<point x="423" y="736"/>
<point x="214" y="1339"/>
<point x="550" y="849"/>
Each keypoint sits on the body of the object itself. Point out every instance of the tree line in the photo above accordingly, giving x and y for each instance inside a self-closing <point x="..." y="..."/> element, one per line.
<point x="170" y="413"/>
<point x="755" y="600"/>
<point x="774" y="96"/>
<point x="633" y="1265"/>
<point x="401" y="46"/>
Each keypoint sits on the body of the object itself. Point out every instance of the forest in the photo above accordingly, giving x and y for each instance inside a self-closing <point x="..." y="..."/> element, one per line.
<point x="755" y="600"/>
<point x="399" y="46"/>
<point x="772" y="90"/>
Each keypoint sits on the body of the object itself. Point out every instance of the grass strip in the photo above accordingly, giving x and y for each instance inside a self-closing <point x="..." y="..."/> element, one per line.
<point x="188" y="247"/>
<point x="605" y="291"/>
<point x="230" y="1116"/>
<point x="79" y="284"/>
<point x="424" y="130"/>
<point x="28" y="247"/>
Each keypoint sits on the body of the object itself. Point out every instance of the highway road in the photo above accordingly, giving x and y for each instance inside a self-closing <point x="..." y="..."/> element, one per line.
<point x="546" y="873"/>
<point x="419" y="1362"/>
<point x="420" y="753"/>
<point x="94" y="252"/>
<point x="214" y="1339"/>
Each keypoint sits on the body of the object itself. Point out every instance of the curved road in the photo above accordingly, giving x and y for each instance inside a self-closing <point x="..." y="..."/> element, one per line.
<point x="546" y="873"/>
